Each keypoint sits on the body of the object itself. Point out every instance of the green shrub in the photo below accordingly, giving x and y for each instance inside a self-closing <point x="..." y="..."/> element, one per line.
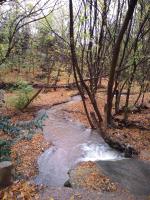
<point x="4" y="150"/>
<point x="23" y="92"/>
<point x="16" y="131"/>
<point x="7" y="126"/>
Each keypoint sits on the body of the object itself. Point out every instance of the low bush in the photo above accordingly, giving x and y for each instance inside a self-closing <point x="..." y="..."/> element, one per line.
<point x="23" y="93"/>
<point x="4" y="150"/>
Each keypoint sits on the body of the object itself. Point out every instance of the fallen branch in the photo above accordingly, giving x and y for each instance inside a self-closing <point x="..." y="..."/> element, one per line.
<point x="33" y="97"/>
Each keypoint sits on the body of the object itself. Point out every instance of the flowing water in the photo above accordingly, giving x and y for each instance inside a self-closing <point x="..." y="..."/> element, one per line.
<point x="72" y="143"/>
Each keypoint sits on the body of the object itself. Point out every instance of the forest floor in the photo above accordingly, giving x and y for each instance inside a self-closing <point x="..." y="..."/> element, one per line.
<point x="138" y="136"/>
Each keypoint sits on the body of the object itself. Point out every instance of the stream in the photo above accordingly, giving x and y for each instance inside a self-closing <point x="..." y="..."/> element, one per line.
<point x="72" y="143"/>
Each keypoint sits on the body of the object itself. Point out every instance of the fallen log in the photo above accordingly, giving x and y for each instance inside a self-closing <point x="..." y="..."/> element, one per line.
<point x="6" y="86"/>
<point x="45" y="86"/>
<point x="52" y="86"/>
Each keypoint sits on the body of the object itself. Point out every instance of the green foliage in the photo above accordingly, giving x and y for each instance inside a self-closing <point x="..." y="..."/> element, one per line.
<point x="23" y="92"/>
<point x="4" y="150"/>
<point x="32" y="125"/>
<point x="6" y="125"/>
<point x="17" y="132"/>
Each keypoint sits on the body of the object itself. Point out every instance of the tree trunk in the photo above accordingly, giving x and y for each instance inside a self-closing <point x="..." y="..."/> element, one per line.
<point x="115" y="57"/>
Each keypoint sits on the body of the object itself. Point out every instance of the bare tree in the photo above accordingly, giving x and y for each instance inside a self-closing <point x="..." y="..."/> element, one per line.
<point x="116" y="50"/>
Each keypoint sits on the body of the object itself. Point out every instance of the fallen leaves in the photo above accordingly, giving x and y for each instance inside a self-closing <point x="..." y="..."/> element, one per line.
<point x="52" y="98"/>
<point x="25" y="153"/>
<point x="88" y="175"/>
<point x="20" y="190"/>
<point x="4" y="136"/>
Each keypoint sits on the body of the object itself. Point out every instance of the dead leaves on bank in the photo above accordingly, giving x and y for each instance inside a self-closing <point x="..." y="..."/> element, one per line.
<point x="88" y="175"/>
<point x="25" y="153"/>
<point x="20" y="190"/>
<point x="51" y="98"/>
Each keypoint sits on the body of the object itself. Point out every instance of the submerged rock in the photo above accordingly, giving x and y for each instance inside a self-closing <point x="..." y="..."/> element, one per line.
<point x="67" y="184"/>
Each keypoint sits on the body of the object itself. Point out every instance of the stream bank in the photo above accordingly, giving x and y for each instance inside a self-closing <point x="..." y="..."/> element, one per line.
<point x="73" y="143"/>
<point x="62" y="193"/>
<point x="132" y="138"/>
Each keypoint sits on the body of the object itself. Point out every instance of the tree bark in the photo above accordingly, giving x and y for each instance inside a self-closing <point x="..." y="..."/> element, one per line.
<point x="115" y="57"/>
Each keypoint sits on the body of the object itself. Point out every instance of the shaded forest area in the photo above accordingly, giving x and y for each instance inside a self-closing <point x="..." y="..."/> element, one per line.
<point x="51" y="51"/>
